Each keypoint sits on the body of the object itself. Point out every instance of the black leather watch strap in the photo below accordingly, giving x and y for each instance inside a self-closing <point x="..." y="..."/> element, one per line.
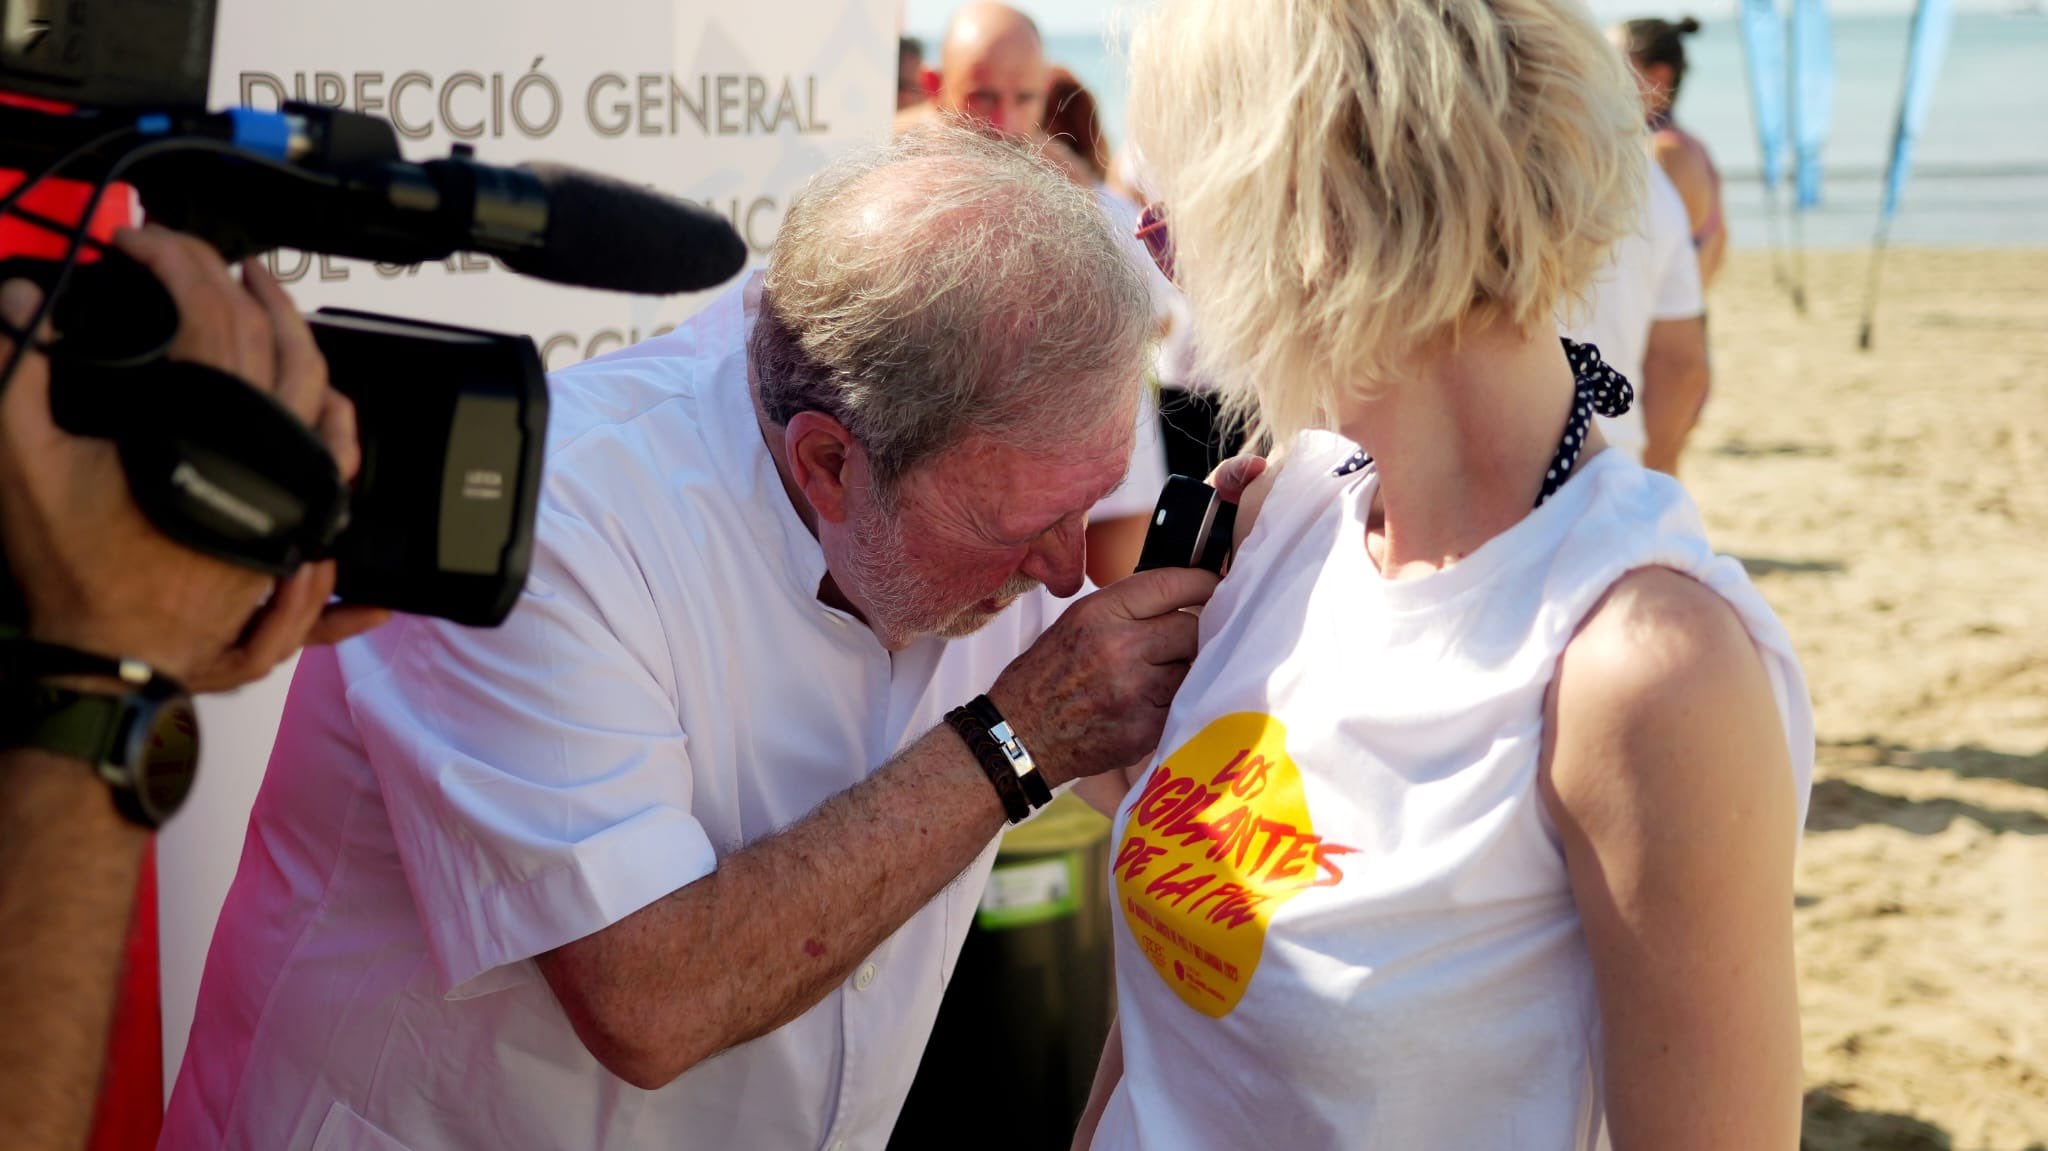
<point x="143" y="743"/>
<point x="77" y="725"/>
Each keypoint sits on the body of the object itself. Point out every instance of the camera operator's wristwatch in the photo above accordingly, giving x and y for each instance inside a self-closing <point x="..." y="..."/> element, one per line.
<point x="143" y="743"/>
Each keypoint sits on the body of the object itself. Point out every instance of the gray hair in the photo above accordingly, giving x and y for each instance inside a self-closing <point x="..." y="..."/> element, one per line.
<point x="941" y="284"/>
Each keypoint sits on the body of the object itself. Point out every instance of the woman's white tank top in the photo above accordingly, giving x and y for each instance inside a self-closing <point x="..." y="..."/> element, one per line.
<point x="1342" y="914"/>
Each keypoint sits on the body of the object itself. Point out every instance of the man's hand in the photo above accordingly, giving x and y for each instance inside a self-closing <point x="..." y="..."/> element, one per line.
<point x="1091" y="695"/>
<point x="94" y="573"/>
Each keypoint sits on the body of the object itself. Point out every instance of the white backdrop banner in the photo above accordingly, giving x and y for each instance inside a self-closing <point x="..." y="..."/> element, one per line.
<point x="730" y="105"/>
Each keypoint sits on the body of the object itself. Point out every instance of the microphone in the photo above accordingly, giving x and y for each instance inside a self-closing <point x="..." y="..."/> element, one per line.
<point x="549" y="221"/>
<point x="603" y="232"/>
<point x="333" y="181"/>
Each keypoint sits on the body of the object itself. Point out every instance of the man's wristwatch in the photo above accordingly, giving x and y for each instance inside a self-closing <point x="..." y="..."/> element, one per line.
<point x="1002" y="756"/>
<point x="143" y="743"/>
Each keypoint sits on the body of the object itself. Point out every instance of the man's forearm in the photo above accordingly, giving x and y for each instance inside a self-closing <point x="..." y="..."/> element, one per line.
<point x="780" y="924"/>
<point x="68" y="864"/>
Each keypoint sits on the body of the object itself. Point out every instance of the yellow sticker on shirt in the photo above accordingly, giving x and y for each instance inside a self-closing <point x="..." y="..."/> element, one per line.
<point x="1217" y="841"/>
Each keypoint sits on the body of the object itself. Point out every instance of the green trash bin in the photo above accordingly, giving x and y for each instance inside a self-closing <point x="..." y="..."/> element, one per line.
<point x="1025" y="1017"/>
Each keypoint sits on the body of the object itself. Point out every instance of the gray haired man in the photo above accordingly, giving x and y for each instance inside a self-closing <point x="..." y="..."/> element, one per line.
<point x="682" y="855"/>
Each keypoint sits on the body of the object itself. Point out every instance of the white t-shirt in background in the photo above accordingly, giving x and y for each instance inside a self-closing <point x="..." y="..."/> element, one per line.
<point x="1653" y="275"/>
<point x="445" y="803"/>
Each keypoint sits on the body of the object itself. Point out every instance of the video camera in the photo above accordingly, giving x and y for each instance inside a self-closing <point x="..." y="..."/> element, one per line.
<point x="100" y="96"/>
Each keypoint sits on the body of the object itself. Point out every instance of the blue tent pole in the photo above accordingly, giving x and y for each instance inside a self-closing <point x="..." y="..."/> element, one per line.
<point x="1932" y="20"/>
<point x="1793" y="117"/>
<point x="1763" y="53"/>
<point x="1777" y="230"/>
<point x="1799" y="262"/>
<point x="1812" y="114"/>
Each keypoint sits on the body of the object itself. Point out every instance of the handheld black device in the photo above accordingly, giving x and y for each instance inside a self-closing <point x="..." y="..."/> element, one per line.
<point x="1191" y="528"/>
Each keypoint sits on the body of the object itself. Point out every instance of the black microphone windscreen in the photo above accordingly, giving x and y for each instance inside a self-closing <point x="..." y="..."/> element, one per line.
<point x="606" y="233"/>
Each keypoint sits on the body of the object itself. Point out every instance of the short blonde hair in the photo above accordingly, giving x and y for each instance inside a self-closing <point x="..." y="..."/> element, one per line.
<point x="1348" y="182"/>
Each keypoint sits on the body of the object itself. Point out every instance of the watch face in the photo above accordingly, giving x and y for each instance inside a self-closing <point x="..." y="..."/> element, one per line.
<point x="169" y="761"/>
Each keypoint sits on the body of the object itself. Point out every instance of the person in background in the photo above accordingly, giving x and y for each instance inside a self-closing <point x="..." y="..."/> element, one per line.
<point x="993" y="75"/>
<point x="1195" y="431"/>
<point x="1647" y="315"/>
<point x="1656" y="51"/>
<point x="909" y="72"/>
<point x="1072" y="119"/>
<point x="1473" y="823"/>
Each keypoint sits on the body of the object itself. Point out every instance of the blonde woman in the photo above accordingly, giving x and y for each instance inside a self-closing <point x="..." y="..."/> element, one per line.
<point x="1473" y="823"/>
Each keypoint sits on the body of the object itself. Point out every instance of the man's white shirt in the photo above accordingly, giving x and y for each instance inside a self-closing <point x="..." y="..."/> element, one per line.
<point x="1652" y="275"/>
<point x="443" y="804"/>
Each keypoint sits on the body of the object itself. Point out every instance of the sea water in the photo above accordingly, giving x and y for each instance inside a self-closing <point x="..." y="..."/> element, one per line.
<point x="1980" y="174"/>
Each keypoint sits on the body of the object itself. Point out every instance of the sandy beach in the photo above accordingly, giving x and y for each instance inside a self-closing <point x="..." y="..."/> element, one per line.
<point x="1893" y="506"/>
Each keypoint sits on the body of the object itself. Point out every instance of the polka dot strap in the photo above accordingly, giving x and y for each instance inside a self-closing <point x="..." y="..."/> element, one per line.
<point x="1598" y="389"/>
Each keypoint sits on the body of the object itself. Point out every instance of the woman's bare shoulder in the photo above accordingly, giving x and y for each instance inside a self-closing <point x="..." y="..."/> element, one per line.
<point x="1661" y="680"/>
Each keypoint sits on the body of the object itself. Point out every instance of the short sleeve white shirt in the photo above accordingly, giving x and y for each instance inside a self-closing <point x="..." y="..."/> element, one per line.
<point x="445" y="803"/>
<point x="1653" y="275"/>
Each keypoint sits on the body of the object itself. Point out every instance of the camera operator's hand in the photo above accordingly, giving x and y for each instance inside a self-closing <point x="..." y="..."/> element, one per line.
<point x="1091" y="695"/>
<point x="94" y="574"/>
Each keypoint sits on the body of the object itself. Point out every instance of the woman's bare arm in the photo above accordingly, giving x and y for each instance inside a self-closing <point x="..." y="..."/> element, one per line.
<point x="1700" y="188"/>
<point x="1669" y="780"/>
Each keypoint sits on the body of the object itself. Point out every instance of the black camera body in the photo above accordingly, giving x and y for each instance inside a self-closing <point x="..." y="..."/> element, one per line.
<point x="107" y="53"/>
<point x="452" y="421"/>
<point x="442" y="517"/>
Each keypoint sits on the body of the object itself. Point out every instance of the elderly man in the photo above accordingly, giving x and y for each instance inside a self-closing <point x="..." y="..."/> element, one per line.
<point x="993" y="76"/>
<point x="682" y="856"/>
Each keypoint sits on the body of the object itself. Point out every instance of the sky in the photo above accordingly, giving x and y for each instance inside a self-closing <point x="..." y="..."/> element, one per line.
<point x="1052" y="15"/>
<point x="1057" y="16"/>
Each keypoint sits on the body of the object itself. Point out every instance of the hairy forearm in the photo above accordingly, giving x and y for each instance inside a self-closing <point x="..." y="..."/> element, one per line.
<point x="755" y="944"/>
<point x="68" y="864"/>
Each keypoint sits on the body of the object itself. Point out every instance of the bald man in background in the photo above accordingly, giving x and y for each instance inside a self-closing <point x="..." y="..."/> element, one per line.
<point x="993" y="74"/>
<point x="992" y="71"/>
